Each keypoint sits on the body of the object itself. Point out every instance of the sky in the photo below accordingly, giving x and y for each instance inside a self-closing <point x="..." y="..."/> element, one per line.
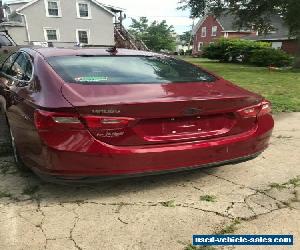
<point x="154" y="10"/>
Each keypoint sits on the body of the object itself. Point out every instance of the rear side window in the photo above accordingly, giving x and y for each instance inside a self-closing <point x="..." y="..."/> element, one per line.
<point x="22" y="68"/>
<point x="126" y="70"/>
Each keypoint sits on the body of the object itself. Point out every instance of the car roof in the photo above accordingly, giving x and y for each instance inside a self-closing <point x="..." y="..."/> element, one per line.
<point x="51" y="52"/>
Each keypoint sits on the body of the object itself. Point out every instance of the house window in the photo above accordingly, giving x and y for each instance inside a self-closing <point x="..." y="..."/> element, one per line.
<point x="203" y="32"/>
<point x="83" y="36"/>
<point x="214" y="30"/>
<point x="83" y="10"/>
<point x="53" y="9"/>
<point x="51" y="34"/>
<point x="200" y="45"/>
<point x="8" y="10"/>
<point x="277" y="45"/>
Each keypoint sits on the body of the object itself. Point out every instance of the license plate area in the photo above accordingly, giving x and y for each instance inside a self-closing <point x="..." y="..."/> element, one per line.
<point x="185" y="128"/>
<point x="174" y="126"/>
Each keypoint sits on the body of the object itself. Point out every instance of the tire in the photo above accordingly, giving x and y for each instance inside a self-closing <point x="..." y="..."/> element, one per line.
<point x="19" y="163"/>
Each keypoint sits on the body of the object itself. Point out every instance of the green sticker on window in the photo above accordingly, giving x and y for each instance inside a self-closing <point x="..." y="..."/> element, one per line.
<point x="91" y="79"/>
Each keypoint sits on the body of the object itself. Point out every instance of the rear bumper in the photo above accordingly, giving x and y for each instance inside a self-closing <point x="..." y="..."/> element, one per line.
<point x="60" y="179"/>
<point x="103" y="162"/>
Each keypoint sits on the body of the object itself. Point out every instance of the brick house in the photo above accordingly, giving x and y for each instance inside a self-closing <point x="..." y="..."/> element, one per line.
<point x="210" y="28"/>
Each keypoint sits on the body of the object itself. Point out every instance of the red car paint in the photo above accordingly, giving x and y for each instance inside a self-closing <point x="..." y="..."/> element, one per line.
<point x="128" y="129"/>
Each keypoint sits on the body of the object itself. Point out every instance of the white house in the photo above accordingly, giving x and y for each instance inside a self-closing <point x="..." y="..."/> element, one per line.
<point x="59" y="22"/>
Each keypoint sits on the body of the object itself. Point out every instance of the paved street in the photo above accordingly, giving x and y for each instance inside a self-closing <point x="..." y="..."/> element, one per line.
<point x="162" y="212"/>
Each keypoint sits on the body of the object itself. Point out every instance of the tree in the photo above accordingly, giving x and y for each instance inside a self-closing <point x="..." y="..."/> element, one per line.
<point x="187" y="37"/>
<point x="250" y="13"/>
<point x="138" y="28"/>
<point x="157" y="35"/>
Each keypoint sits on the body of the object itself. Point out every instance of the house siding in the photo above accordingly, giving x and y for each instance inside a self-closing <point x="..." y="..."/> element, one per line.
<point x="100" y="26"/>
<point x="17" y="33"/>
<point x="291" y="46"/>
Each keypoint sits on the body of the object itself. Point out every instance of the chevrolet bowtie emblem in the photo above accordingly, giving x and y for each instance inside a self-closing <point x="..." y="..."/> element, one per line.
<point x="192" y="111"/>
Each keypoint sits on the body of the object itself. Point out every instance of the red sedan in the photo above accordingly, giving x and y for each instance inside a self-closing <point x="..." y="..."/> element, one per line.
<point x="87" y="114"/>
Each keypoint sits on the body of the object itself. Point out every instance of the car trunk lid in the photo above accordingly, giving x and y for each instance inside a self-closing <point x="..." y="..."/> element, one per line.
<point x="143" y="114"/>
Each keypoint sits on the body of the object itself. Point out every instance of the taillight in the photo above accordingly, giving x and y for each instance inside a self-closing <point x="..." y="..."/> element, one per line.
<point x="250" y="112"/>
<point x="71" y="130"/>
<point x="266" y="108"/>
<point x="45" y="120"/>
<point x="106" y="123"/>
<point x="257" y="110"/>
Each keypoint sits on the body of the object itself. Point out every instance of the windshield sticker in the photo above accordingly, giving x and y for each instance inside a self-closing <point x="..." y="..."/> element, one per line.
<point x="91" y="79"/>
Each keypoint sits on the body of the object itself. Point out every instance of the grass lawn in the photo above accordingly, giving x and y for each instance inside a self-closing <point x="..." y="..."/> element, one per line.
<point x="282" y="88"/>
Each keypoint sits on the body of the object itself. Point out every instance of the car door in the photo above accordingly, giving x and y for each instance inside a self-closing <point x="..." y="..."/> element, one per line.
<point x="18" y="106"/>
<point x="6" y="81"/>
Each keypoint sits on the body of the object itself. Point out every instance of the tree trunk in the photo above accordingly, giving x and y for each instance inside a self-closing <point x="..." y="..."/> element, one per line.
<point x="297" y="56"/>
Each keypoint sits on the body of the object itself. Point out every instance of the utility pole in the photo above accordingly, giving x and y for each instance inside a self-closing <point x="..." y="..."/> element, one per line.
<point x="191" y="36"/>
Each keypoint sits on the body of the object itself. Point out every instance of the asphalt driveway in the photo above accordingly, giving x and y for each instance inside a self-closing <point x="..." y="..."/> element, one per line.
<point x="163" y="212"/>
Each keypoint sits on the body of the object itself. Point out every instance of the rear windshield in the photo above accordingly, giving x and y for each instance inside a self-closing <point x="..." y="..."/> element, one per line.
<point x="126" y="70"/>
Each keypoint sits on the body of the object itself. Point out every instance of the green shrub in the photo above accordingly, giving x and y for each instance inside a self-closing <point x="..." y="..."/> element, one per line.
<point x="189" y="52"/>
<point x="217" y="50"/>
<point x="181" y="52"/>
<point x="232" y="50"/>
<point x="270" y="57"/>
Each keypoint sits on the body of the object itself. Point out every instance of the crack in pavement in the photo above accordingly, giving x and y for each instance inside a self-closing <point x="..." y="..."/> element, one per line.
<point x="42" y="223"/>
<point x="77" y="218"/>
<point x="120" y="205"/>
<point x="187" y="205"/>
<point x="263" y="192"/>
<point x="126" y="223"/>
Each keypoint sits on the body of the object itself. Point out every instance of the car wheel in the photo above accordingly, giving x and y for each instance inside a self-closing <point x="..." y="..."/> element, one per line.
<point x="18" y="160"/>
